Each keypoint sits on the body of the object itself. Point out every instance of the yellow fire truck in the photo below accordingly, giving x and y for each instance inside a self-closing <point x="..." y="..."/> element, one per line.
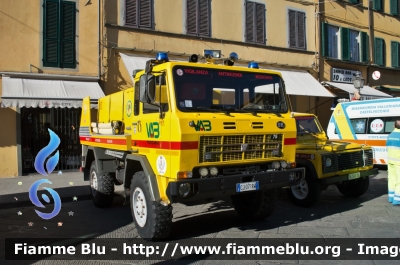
<point x="191" y="132"/>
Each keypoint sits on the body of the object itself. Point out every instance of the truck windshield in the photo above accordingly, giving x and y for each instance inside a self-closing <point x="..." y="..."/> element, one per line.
<point x="203" y="90"/>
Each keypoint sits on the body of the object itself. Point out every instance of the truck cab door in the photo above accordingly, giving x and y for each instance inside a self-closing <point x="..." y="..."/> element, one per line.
<point x="152" y="133"/>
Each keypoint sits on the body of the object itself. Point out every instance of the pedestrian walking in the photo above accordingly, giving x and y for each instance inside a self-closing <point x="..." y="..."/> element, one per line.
<point x="393" y="147"/>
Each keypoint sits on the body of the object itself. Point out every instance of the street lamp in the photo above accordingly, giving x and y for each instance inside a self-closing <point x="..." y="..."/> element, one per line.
<point x="358" y="82"/>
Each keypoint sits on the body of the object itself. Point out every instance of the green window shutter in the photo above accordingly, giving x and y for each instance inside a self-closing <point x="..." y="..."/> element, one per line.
<point x="324" y="39"/>
<point x="204" y="18"/>
<point x="68" y="21"/>
<point x="394" y="7"/>
<point x="377" y="5"/>
<point x="379" y="51"/>
<point x="353" y="1"/>
<point x="51" y="31"/>
<point x="364" y="47"/>
<point x="395" y="54"/>
<point x="131" y="13"/>
<point x="259" y="23"/>
<point x="250" y="21"/>
<point x="345" y="42"/>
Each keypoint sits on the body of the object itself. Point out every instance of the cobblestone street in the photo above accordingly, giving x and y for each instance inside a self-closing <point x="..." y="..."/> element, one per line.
<point x="334" y="216"/>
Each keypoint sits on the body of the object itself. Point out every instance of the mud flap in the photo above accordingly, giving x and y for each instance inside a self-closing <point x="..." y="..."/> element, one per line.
<point x="127" y="193"/>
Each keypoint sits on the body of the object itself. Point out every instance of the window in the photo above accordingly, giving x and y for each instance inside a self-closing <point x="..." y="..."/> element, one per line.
<point x="395" y="53"/>
<point x="380" y="52"/>
<point x="358" y="125"/>
<point x="353" y="44"/>
<point x="297" y="29"/>
<point x="198" y="17"/>
<point x="333" y="41"/>
<point x="350" y="45"/>
<point x="139" y="13"/>
<point x="394" y="7"/>
<point x="377" y="5"/>
<point x="59" y="26"/>
<point x="307" y="125"/>
<point x="255" y="22"/>
<point x="211" y="90"/>
<point x="381" y="125"/>
<point x="160" y="97"/>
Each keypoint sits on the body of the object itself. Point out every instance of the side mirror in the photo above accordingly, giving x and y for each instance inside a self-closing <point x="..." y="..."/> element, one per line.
<point x="147" y="88"/>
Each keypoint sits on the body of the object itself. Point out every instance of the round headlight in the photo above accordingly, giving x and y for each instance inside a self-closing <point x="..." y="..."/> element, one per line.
<point x="328" y="162"/>
<point x="213" y="171"/>
<point x="283" y="164"/>
<point x="184" y="189"/>
<point x="275" y="165"/>
<point x="203" y="171"/>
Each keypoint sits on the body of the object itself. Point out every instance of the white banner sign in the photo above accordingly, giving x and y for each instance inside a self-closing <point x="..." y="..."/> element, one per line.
<point x="342" y="75"/>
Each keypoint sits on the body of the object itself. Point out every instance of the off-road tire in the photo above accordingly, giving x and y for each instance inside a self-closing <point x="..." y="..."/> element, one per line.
<point x="255" y="205"/>
<point x="103" y="195"/>
<point x="354" y="188"/>
<point x="158" y="217"/>
<point x="306" y="193"/>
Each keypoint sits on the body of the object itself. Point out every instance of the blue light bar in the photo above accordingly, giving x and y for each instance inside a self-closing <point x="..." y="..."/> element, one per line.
<point x="253" y="65"/>
<point x="233" y="56"/>
<point x="211" y="54"/>
<point x="162" y="56"/>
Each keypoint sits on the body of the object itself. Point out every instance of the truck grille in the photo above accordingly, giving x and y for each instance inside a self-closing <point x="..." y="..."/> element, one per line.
<point x="343" y="161"/>
<point x="239" y="147"/>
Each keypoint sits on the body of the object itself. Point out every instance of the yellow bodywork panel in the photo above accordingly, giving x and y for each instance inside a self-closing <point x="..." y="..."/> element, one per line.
<point x="104" y="110"/>
<point x="116" y="108"/>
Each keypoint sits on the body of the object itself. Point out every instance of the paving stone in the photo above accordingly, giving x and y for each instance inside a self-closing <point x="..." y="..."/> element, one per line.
<point x="313" y="231"/>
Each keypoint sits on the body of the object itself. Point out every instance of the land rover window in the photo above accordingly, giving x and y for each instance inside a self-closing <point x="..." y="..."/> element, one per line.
<point x="307" y="125"/>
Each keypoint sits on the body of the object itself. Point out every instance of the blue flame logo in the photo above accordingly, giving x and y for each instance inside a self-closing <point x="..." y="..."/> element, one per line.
<point x="35" y="200"/>
<point x="50" y="166"/>
<point x="45" y="152"/>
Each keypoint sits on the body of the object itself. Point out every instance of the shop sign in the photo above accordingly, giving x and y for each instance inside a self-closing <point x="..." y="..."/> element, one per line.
<point x="342" y="75"/>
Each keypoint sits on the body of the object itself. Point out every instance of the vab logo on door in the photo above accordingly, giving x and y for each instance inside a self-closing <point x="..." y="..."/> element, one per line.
<point x="202" y="125"/>
<point x="153" y="130"/>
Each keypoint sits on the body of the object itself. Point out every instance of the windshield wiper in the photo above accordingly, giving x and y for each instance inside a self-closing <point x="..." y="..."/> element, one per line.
<point x="227" y="112"/>
<point x="254" y="112"/>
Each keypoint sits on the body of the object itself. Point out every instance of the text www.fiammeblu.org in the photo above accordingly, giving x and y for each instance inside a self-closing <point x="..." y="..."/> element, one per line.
<point x="234" y="249"/>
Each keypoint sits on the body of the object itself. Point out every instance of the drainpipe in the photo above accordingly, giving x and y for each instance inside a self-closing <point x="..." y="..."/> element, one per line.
<point x="370" y="31"/>
<point x="99" y="39"/>
<point x="319" y="39"/>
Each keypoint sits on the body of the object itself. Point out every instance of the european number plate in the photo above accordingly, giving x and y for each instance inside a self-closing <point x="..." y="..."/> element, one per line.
<point x="354" y="175"/>
<point x="247" y="186"/>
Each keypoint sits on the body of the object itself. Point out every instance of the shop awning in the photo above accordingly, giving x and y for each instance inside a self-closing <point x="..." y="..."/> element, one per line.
<point x="137" y="62"/>
<point x="33" y="93"/>
<point x="301" y="83"/>
<point x="366" y="92"/>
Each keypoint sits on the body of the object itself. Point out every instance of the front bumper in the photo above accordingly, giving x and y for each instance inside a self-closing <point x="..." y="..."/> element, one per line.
<point x="337" y="179"/>
<point x="222" y="186"/>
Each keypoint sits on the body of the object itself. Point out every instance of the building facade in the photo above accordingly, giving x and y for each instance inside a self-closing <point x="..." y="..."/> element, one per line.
<point x="359" y="36"/>
<point x="276" y="34"/>
<point x="49" y="62"/>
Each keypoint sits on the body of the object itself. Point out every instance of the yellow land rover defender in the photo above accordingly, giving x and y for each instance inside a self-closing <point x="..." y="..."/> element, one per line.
<point x="191" y="132"/>
<point x="344" y="164"/>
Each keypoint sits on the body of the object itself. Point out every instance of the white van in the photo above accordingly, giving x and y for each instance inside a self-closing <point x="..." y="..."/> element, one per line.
<point x="365" y="122"/>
